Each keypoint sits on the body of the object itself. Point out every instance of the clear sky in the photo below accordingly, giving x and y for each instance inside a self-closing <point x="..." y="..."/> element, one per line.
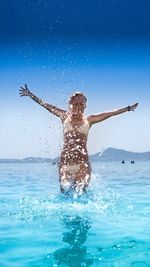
<point x="101" y="48"/>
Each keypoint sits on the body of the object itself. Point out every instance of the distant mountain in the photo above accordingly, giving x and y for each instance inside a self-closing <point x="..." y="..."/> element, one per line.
<point x="110" y="155"/>
<point x="113" y="154"/>
<point x="30" y="160"/>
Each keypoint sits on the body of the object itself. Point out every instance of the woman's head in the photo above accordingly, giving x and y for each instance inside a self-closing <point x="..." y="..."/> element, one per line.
<point x="77" y="102"/>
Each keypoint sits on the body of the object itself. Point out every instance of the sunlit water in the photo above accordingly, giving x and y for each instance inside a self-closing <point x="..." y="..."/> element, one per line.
<point x="109" y="226"/>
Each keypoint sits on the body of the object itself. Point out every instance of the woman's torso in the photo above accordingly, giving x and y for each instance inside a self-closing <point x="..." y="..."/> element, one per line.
<point x="75" y="141"/>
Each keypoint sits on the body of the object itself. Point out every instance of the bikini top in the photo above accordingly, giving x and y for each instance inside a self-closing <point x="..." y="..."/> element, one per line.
<point x="84" y="128"/>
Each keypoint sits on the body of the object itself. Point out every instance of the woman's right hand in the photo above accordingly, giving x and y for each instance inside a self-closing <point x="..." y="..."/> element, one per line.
<point x="24" y="91"/>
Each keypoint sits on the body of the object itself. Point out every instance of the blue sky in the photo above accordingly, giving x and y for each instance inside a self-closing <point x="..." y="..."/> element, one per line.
<point x="57" y="47"/>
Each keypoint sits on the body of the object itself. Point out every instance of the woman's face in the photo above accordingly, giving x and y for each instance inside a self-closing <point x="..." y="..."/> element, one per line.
<point x="77" y="104"/>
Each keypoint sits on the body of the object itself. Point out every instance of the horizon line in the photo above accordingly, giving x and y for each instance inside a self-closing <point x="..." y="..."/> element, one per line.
<point x="101" y="152"/>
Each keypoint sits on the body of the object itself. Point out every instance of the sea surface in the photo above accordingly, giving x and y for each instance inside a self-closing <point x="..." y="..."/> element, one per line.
<point x="107" y="227"/>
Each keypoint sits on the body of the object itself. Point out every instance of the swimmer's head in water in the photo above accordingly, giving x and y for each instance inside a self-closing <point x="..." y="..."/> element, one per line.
<point x="77" y="102"/>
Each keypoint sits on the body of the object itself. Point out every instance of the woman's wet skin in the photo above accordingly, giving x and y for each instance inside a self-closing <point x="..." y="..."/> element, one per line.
<point x="75" y="143"/>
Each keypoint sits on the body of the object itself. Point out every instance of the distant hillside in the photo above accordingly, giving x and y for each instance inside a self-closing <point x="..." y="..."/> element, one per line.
<point x="29" y="160"/>
<point x="110" y="155"/>
<point x="113" y="154"/>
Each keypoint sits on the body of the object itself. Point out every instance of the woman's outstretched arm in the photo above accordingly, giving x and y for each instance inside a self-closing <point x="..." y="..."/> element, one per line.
<point x="54" y="110"/>
<point x="105" y="115"/>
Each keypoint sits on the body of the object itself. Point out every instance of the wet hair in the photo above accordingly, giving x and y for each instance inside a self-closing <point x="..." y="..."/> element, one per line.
<point x="77" y="94"/>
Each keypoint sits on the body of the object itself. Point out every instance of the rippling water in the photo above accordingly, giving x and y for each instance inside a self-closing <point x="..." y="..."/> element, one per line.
<point x="110" y="226"/>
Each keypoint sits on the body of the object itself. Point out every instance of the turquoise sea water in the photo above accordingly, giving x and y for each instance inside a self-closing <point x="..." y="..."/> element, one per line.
<point x="108" y="227"/>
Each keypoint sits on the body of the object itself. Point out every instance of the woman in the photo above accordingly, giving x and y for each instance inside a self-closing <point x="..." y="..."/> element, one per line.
<point x="74" y="166"/>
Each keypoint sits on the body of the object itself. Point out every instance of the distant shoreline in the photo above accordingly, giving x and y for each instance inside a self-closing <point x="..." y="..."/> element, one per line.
<point x="108" y="155"/>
